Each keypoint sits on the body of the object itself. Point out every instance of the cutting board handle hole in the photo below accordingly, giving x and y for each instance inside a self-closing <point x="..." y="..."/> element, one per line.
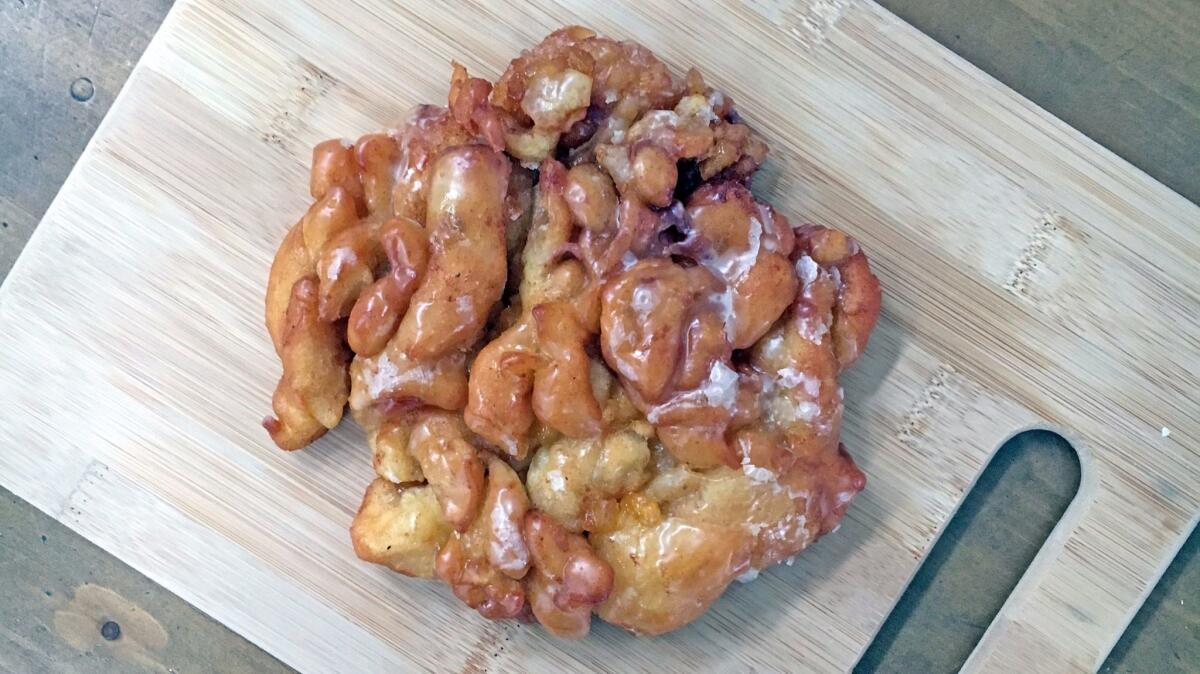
<point x="984" y="550"/>
<point x="1147" y="635"/>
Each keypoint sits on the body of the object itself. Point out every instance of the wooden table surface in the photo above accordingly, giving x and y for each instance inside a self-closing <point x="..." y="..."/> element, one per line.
<point x="1129" y="76"/>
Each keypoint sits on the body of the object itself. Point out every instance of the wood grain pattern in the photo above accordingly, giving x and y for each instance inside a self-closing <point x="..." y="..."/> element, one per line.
<point x="1031" y="279"/>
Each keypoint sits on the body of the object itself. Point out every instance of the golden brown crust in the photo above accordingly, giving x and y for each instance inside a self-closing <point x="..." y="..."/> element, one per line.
<point x="312" y="393"/>
<point x="484" y="565"/>
<point x="597" y="374"/>
<point x="568" y="577"/>
<point x="667" y="571"/>
<point x="465" y="215"/>
<point x="400" y="527"/>
<point x="291" y="264"/>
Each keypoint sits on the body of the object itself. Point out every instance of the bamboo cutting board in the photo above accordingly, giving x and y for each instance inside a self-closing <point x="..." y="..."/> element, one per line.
<point x="1031" y="279"/>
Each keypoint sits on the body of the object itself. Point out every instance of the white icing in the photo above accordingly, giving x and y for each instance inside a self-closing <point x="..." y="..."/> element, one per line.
<point x="550" y="99"/>
<point x="510" y="444"/>
<point x="726" y="301"/>
<point x="509" y="545"/>
<point x="341" y="257"/>
<point x="655" y="123"/>
<point x="792" y="378"/>
<point x="643" y="300"/>
<point x="758" y="473"/>
<point x="772" y="347"/>
<point x="390" y="475"/>
<point x="807" y="268"/>
<point x="812" y="329"/>
<point x="556" y="480"/>
<point x="387" y="376"/>
<point x="465" y="307"/>
<point x="748" y="576"/>
<point x="732" y="264"/>
<point x="765" y="215"/>
<point x="808" y="411"/>
<point x="720" y="389"/>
